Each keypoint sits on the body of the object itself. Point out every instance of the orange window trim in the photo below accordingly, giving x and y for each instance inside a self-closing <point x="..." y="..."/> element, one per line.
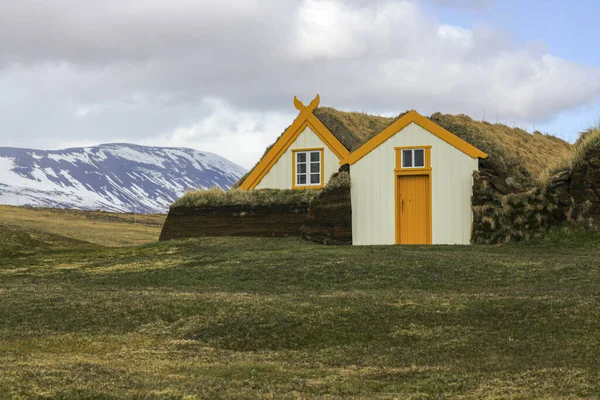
<point x="398" y="172"/>
<point x="294" y="185"/>
<point x="399" y="167"/>
<point x="305" y="119"/>
<point x="425" y="123"/>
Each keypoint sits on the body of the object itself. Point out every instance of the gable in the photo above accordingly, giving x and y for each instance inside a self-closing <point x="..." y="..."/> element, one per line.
<point x="283" y="173"/>
<point x="305" y="119"/>
<point x="403" y="122"/>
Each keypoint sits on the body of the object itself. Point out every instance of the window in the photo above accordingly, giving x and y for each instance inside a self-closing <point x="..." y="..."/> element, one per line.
<point x="308" y="165"/>
<point x="413" y="158"/>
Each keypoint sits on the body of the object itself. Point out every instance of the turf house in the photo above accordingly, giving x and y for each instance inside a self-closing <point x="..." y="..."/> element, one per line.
<point x="411" y="182"/>
<point x="339" y="177"/>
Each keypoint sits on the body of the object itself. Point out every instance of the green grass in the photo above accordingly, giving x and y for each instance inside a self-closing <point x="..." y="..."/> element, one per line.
<point x="283" y="318"/>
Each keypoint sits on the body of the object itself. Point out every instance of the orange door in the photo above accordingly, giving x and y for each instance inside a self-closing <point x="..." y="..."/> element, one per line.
<point x="414" y="204"/>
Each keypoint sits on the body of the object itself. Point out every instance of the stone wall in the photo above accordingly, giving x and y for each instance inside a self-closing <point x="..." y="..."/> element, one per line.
<point x="503" y="211"/>
<point x="183" y="222"/>
<point x="577" y="191"/>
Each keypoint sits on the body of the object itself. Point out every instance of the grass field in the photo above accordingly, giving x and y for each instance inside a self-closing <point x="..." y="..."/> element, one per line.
<point x="282" y="318"/>
<point x="103" y="228"/>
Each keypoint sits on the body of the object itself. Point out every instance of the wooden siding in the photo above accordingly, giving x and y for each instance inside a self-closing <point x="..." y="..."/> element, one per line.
<point x="280" y="175"/>
<point x="373" y="186"/>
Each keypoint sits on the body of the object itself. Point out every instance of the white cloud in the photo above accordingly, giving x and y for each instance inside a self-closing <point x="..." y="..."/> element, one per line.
<point x="237" y="135"/>
<point x="220" y="75"/>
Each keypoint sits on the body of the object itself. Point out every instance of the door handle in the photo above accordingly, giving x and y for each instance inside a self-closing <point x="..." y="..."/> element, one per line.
<point x="402" y="204"/>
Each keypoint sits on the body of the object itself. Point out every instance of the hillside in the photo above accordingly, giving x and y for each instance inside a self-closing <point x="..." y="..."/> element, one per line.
<point x="18" y="240"/>
<point x="110" y="177"/>
<point x="92" y="227"/>
<point x="512" y="151"/>
<point x="283" y="318"/>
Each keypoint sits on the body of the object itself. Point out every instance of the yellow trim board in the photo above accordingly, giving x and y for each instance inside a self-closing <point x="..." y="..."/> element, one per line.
<point x="320" y="186"/>
<point x="413" y="117"/>
<point x="304" y="119"/>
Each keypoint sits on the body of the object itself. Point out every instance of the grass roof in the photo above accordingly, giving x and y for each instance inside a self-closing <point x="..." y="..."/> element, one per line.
<point x="215" y="197"/>
<point x="512" y="151"/>
<point x="353" y="129"/>
<point x="588" y="140"/>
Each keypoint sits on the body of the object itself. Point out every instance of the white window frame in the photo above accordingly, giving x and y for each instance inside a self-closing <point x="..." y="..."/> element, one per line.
<point x="412" y="151"/>
<point x="308" y="164"/>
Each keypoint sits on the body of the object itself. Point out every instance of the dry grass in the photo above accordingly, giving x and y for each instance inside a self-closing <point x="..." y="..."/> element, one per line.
<point x="512" y="151"/>
<point x="107" y="229"/>
<point x="353" y="128"/>
<point x="217" y="197"/>
<point x="586" y="141"/>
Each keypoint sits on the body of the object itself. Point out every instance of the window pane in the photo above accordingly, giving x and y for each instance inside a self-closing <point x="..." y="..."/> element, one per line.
<point x="315" y="156"/>
<point x="315" y="178"/>
<point x="301" y="168"/>
<point x="407" y="159"/>
<point x="315" y="167"/>
<point x="301" y="157"/>
<point x="419" y="158"/>
<point x="301" y="180"/>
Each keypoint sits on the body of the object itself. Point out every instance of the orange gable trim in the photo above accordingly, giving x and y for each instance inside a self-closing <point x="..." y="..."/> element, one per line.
<point x="304" y="119"/>
<point x="425" y="123"/>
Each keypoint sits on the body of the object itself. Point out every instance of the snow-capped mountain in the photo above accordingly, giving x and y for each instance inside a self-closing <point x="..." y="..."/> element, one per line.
<point x="111" y="177"/>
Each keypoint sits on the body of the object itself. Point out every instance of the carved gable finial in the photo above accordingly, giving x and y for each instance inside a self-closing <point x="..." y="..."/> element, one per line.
<point x="311" y="106"/>
<point x="298" y="104"/>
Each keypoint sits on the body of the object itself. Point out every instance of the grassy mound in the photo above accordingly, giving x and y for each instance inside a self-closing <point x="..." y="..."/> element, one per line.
<point x="20" y="240"/>
<point x="216" y="197"/>
<point x="568" y="197"/>
<point x="586" y="142"/>
<point x="512" y="151"/>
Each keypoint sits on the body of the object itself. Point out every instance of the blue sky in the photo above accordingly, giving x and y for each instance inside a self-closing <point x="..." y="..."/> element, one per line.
<point x="566" y="29"/>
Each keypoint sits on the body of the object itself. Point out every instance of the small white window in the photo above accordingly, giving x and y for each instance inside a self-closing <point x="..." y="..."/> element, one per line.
<point x="308" y="168"/>
<point x="413" y="158"/>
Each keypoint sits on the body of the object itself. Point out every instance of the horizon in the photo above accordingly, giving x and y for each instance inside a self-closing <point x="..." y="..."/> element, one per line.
<point x="106" y="144"/>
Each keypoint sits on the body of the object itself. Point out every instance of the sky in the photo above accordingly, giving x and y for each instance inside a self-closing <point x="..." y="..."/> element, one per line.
<point x="220" y="75"/>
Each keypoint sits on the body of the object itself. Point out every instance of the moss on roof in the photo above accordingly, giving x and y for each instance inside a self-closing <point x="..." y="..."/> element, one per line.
<point x="353" y="129"/>
<point x="512" y="151"/>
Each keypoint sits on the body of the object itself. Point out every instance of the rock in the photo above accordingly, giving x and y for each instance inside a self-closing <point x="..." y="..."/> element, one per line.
<point x="510" y="181"/>
<point x="500" y="185"/>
